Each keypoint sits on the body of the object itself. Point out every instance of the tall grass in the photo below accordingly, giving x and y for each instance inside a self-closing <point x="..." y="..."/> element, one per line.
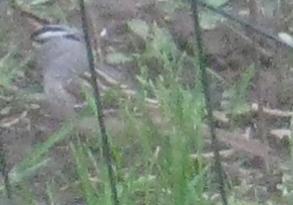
<point x="152" y="158"/>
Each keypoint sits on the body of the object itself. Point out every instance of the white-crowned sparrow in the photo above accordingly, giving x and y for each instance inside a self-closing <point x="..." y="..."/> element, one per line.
<point x="63" y="60"/>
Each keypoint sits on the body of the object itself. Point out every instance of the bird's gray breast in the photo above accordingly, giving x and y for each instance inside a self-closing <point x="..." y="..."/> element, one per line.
<point x="61" y="61"/>
<point x="62" y="58"/>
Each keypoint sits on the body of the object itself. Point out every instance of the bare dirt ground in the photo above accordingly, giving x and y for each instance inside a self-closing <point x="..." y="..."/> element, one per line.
<point x="229" y="53"/>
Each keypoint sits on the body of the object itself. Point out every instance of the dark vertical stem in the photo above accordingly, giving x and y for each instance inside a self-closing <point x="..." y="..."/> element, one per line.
<point x="206" y="90"/>
<point x="106" y="145"/>
<point x="260" y="123"/>
<point x="4" y="171"/>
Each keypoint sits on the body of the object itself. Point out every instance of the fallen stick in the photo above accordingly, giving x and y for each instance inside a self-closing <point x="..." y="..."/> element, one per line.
<point x="272" y="112"/>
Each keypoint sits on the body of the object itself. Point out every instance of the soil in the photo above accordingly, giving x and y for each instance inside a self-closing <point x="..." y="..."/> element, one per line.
<point x="229" y="55"/>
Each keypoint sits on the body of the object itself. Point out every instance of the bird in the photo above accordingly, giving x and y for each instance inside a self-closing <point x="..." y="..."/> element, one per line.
<point x="62" y="58"/>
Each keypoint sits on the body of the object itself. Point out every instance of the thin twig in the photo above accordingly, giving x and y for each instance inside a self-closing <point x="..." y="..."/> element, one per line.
<point x="27" y="14"/>
<point x="249" y="41"/>
<point x="234" y="18"/>
<point x="206" y="90"/>
<point x="106" y="145"/>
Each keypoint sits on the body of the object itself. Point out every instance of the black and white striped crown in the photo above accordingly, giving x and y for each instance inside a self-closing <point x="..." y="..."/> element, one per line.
<point x="49" y="32"/>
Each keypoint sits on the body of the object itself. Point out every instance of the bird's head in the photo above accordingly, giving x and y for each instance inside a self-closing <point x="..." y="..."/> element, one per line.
<point x="48" y="32"/>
